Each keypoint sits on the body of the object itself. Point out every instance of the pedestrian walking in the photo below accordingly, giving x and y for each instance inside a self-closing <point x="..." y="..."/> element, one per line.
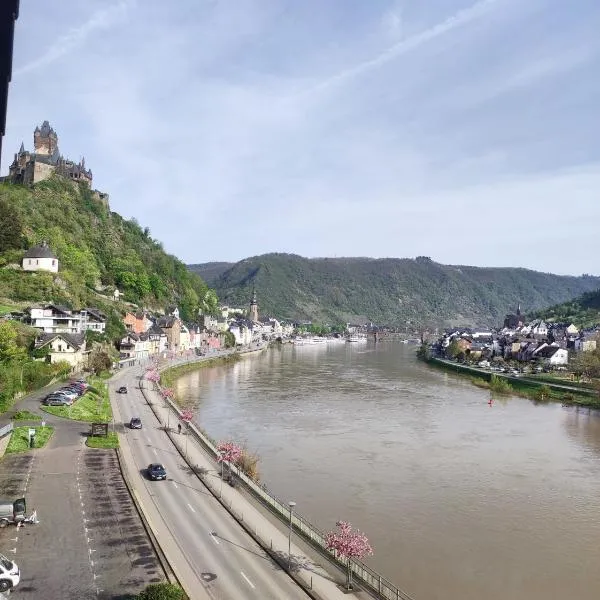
<point x="179" y="427"/>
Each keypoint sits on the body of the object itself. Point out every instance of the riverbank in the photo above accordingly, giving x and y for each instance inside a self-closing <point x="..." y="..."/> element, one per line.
<point x="169" y="375"/>
<point x="537" y="390"/>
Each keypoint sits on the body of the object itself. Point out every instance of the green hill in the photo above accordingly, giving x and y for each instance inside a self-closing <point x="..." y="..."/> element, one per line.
<point x="583" y="311"/>
<point x="97" y="249"/>
<point x="388" y="291"/>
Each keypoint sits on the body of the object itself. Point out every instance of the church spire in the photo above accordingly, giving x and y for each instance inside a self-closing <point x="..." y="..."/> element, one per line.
<point x="253" y="306"/>
<point x="22" y="148"/>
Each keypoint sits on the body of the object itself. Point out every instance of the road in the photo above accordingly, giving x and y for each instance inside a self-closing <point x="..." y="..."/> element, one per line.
<point x="228" y="564"/>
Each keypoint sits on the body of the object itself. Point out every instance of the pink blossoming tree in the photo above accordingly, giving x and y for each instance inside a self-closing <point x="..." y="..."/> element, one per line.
<point x="187" y="415"/>
<point x="348" y="544"/>
<point x="154" y="376"/>
<point x="229" y="452"/>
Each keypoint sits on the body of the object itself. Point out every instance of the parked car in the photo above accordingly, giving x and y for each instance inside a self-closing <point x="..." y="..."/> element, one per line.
<point x="122" y="390"/>
<point x="156" y="471"/>
<point x="58" y="402"/>
<point x="68" y="393"/>
<point x="57" y="394"/>
<point x="135" y="423"/>
<point x="9" y="574"/>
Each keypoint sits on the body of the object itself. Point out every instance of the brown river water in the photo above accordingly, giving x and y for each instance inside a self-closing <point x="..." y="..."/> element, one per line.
<point x="459" y="499"/>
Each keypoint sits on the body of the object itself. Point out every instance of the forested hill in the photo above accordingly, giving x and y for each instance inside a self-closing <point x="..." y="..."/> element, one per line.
<point x="388" y="291"/>
<point x="583" y="311"/>
<point x="97" y="249"/>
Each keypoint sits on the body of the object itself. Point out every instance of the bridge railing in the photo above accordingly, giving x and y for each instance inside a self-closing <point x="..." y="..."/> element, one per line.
<point x="377" y="584"/>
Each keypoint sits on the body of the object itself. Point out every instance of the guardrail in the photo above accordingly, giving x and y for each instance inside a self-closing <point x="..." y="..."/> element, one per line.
<point x="371" y="579"/>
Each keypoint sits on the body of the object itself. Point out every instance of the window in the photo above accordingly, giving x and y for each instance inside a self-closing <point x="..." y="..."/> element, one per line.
<point x="37" y="262"/>
<point x="53" y="262"/>
<point x="29" y="261"/>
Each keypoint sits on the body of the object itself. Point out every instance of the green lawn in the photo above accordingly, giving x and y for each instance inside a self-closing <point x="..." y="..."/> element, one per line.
<point x="25" y="415"/>
<point x="97" y="441"/>
<point x="92" y="407"/>
<point x="19" y="439"/>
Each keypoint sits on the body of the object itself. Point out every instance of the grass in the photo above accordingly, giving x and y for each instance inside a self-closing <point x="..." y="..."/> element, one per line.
<point x="98" y="441"/>
<point x="92" y="407"/>
<point x="25" y="415"/>
<point x="19" y="439"/>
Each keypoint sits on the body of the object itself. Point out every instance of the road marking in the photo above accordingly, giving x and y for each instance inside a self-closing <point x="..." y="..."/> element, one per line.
<point x="191" y="507"/>
<point x="248" y="581"/>
<point x="155" y="452"/>
<point x="213" y="536"/>
<point x="175" y="484"/>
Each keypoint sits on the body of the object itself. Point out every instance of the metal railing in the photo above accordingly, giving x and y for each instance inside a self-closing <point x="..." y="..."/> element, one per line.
<point x="367" y="576"/>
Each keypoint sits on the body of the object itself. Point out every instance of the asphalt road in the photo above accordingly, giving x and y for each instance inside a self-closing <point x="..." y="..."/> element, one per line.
<point x="90" y="542"/>
<point x="227" y="562"/>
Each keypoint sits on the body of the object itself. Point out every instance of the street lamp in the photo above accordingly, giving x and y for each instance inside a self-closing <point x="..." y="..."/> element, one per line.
<point x="291" y="504"/>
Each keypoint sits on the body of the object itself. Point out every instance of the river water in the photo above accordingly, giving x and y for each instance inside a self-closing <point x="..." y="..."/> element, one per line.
<point x="459" y="499"/>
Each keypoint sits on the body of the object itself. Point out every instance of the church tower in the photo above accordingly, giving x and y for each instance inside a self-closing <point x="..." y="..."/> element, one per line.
<point x="45" y="140"/>
<point x="253" y="307"/>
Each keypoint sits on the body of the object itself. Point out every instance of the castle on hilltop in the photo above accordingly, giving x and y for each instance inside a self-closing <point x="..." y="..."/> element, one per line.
<point x="28" y="168"/>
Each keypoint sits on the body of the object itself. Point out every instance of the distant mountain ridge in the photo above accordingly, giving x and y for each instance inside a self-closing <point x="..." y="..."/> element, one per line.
<point x="388" y="290"/>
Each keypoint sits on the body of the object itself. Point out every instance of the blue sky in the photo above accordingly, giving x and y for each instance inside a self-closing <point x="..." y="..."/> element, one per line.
<point x="465" y="131"/>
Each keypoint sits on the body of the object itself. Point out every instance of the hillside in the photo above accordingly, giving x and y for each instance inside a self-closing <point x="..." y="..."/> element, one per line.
<point x="97" y="249"/>
<point x="583" y="311"/>
<point x="390" y="290"/>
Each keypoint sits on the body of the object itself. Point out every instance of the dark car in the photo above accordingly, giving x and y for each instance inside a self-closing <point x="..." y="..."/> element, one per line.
<point x="156" y="471"/>
<point x="122" y="390"/>
<point x="135" y="423"/>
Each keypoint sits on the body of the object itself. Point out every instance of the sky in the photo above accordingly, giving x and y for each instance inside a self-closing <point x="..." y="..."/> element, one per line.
<point x="463" y="130"/>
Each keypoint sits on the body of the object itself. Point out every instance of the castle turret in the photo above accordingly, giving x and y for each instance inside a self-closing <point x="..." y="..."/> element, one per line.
<point x="253" y="307"/>
<point x="45" y="140"/>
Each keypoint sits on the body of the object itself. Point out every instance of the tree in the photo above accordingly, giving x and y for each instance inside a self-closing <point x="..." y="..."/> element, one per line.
<point x="99" y="360"/>
<point x="9" y="349"/>
<point x="11" y="236"/>
<point x="228" y="452"/>
<point x="229" y="339"/>
<point x="162" y="591"/>
<point x="454" y="349"/>
<point x="348" y="544"/>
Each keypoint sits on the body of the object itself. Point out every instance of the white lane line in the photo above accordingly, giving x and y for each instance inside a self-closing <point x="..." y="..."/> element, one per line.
<point x="213" y="537"/>
<point x="247" y="580"/>
<point x="191" y="507"/>
<point x="155" y="452"/>
<point x="175" y="484"/>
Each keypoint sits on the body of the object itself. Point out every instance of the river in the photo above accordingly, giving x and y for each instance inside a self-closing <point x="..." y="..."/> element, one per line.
<point x="460" y="499"/>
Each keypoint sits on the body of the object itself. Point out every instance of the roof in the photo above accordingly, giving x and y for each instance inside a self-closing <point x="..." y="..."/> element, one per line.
<point x="96" y="314"/>
<point x="77" y="340"/>
<point x="40" y="251"/>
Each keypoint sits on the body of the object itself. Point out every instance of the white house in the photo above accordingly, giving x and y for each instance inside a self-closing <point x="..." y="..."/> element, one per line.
<point x="553" y="355"/>
<point x="40" y="258"/>
<point x="242" y="333"/>
<point x="540" y="328"/>
<point x="572" y="330"/>
<point x="67" y="347"/>
<point x="54" y="318"/>
<point x="585" y="344"/>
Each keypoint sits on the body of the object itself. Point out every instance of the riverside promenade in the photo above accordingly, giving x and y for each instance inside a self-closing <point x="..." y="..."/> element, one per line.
<point x="319" y="579"/>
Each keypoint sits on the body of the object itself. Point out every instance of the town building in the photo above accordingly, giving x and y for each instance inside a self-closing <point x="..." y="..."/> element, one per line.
<point x="54" y="318"/>
<point x="63" y="347"/>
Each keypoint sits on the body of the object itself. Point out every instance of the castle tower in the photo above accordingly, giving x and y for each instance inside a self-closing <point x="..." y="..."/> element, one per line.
<point x="253" y="307"/>
<point x="45" y="140"/>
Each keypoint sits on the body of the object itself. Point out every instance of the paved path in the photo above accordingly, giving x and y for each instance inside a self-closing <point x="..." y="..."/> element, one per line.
<point x="212" y="554"/>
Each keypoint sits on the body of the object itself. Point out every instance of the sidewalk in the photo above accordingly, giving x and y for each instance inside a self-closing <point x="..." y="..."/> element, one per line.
<point x="314" y="578"/>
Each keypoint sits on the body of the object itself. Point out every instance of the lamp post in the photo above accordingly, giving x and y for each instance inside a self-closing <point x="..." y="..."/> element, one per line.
<point x="291" y="504"/>
<point x="221" y="487"/>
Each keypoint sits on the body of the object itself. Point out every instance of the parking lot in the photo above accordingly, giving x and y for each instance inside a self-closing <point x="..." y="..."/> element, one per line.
<point x="90" y="542"/>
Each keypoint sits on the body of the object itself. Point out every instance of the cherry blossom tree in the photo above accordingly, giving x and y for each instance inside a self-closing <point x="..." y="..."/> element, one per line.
<point x="187" y="415"/>
<point x="349" y="544"/>
<point x="154" y="376"/>
<point x="228" y="452"/>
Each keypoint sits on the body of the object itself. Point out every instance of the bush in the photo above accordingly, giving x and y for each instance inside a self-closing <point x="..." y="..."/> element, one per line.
<point x="499" y="385"/>
<point x="162" y="591"/>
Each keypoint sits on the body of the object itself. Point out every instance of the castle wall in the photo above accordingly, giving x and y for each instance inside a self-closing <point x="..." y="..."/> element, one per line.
<point x="40" y="171"/>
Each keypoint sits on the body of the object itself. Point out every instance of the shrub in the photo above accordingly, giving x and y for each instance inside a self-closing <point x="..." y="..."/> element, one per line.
<point x="499" y="385"/>
<point x="162" y="591"/>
